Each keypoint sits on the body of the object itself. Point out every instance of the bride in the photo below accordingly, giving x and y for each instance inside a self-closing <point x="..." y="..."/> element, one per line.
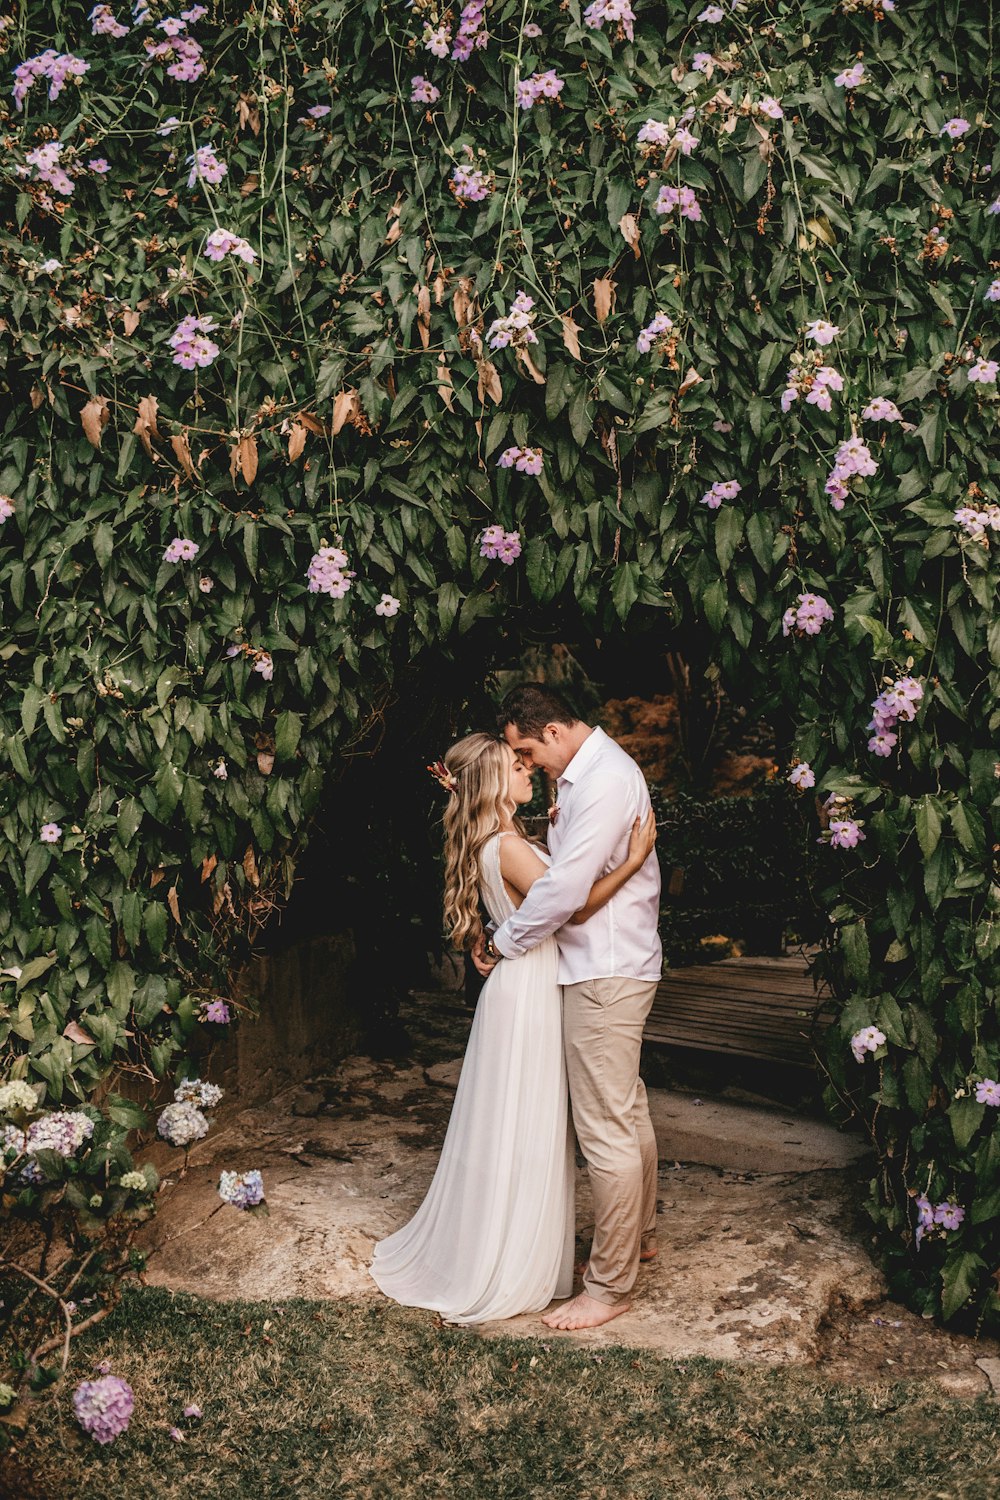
<point x="495" y="1234"/>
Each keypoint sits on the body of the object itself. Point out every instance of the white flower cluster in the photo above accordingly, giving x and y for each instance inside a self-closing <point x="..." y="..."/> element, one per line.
<point x="17" y="1095"/>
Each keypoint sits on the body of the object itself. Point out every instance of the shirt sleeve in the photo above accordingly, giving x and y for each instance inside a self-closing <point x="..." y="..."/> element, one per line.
<point x="602" y="815"/>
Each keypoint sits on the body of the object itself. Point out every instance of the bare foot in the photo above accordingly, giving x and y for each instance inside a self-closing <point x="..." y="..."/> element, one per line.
<point x="584" y="1312"/>
<point x="649" y="1254"/>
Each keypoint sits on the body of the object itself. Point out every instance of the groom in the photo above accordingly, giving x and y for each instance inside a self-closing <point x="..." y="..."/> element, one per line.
<point x="609" y="967"/>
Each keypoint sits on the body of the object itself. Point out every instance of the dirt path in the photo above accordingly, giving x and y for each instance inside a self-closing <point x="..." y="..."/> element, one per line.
<point x="762" y="1256"/>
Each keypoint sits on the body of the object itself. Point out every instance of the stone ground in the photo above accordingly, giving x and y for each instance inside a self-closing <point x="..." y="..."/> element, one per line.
<point x="762" y="1252"/>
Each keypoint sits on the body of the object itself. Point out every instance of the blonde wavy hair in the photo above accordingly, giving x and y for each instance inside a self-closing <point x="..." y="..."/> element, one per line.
<point x="474" y="812"/>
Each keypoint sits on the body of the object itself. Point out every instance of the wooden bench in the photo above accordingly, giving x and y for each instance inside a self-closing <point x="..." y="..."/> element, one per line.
<point x="766" y="1008"/>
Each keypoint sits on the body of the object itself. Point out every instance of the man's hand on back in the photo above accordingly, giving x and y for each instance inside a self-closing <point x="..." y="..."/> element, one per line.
<point x="484" y="965"/>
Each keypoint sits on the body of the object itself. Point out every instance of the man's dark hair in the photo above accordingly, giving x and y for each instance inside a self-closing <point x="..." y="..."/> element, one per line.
<point x="531" y="706"/>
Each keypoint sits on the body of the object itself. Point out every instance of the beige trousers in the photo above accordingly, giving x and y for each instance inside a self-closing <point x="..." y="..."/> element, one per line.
<point x="603" y="1021"/>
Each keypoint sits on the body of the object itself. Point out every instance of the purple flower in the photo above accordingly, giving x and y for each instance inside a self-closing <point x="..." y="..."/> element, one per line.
<point x="821" y="332"/>
<point x="242" y="1190"/>
<point x="868" y="1039"/>
<point x="845" y="833"/>
<point x="103" y="23"/>
<point x="205" y="166"/>
<point x="770" y="107"/>
<point x="99" y="164"/>
<point x="524" y="460"/>
<point x="702" y="61"/>
<point x="880" y="409"/>
<point x="192" y="349"/>
<point x="103" y="1407"/>
<point x="955" y="128"/>
<point x="949" y="1215"/>
<point x="264" y="665"/>
<point x="327" y="572"/>
<point x="721" y="490"/>
<point x="802" y="776"/>
<point x="985" y="371"/>
<point x="509" y="549"/>
<point x="222" y="242"/>
<point x="387" y="606"/>
<point x="654" y="333"/>
<point x="50" y="833"/>
<point x="194" y="1410"/>
<point x="176" y="1435"/>
<point x="807" y="616"/>
<point x="437" y="39"/>
<point x="422" y="91"/>
<point x="992" y="292"/>
<point x="988" y="1092"/>
<point x="470" y="184"/>
<point x="851" y="78"/>
<point x="682" y="198"/>
<point x="539" y="86"/>
<point x="712" y="15"/>
<point x="604" y="12"/>
<point x="514" y="330"/>
<point x="181" y="550"/>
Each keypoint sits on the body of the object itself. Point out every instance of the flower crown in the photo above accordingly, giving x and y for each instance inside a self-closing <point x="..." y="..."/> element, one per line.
<point x="446" y="778"/>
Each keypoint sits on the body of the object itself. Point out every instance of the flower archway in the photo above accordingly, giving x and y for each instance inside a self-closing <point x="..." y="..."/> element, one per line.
<point x="336" y="329"/>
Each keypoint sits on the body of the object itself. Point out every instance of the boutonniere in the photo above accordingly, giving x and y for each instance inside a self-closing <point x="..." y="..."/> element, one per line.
<point x="553" y="812"/>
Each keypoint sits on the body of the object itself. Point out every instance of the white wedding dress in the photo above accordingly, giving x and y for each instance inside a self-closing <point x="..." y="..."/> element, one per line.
<point x="494" y="1235"/>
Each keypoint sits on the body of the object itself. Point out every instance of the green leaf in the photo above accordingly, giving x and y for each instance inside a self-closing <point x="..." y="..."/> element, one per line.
<point x="287" y="733"/>
<point x="928" y="824"/>
<point x="959" y="1279"/>
<point x="965" y="1116"/>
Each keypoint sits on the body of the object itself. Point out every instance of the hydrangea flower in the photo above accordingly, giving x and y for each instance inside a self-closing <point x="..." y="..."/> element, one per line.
<point x="524" y="460"/>
<point x="133" y="1182"/>
<point x="546" y="85"/>
<point x="988" y="1092"/>
<point x="497" y="544"/>
<point x="103" y="1407"/>
<point x="802" y="776"/>
<point x="387" y="606"/>
<point x="601" y="13"/>
<point x="50" y="833"/>
<point x="216" y="1011"/>
<point x="242" y="1190"/>
<point x="182" y="1124"/>
<point x="63" y="1132"/>
<point x="422" y="91"/>
<point x="17" y="1095"/>
<point x="327" y="572"/>
<point x="194" y="1091"/>
<point x="514" y="330"/>
<point x="181" y="550"/>
<point x="205" y="166"/>
<point x="683" y="198"/>
<point x="985" y="371"/>
<point x="722" y="489"/>
<point x="192" y="348"/>
<point x="955" y="128"/>
<point x="470" y="184"/>
<point x="222" y="242"/>
<point x="655" y="333"/>
<point x="949" y="1215"/>
<point x="851" y="78"/>
<point x="806" y="616"/>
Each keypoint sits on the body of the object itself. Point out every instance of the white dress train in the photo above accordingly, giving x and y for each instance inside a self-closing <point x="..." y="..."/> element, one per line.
<point x="495" y="1234"/>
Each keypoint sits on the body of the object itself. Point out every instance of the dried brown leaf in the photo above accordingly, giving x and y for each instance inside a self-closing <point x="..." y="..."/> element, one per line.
<point x="130" y="321"/>
<point x="95" y="417"/>
<point x="346" y="408"/>
<point x="76" y="1033"/>
<point x="311" y="423"/>
<point x="265" y="762"/>
<point x="570" y="333"/>
<point x="424" y="315"/>
<point x="155" y="876"/>
<point x="604" y="297"/>
<point x="529" y="364"/>
<point x="37" y="397"/>
<point x="248" y="458"/>
<point x="182" y="452"/>
<point x="208" y="865"/>
<point x="174" y="904"/>
<point x="444" y="383"/>
<point x="145" y="427"/>
<point x="489" y="381"/>
<point x="234" y="461"/>
<point x="629" y="226"/>
<point x="250" y="184"/>
<point x="296" y="441"/>
<point x="250" y="866"/>
<point x="691" y="379"/>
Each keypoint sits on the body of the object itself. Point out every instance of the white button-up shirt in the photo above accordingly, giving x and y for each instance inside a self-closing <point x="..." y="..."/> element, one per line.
<point x="601" y="793"/>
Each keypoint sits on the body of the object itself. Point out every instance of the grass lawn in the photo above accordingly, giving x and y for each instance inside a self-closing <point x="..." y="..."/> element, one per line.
<point x="365" y="1400"/>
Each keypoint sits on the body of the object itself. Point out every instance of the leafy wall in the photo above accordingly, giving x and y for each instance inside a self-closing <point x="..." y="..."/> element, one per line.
<point x="258" y="304"/>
